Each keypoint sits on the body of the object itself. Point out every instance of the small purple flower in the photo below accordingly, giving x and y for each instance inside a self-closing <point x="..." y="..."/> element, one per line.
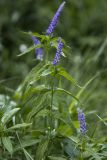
<point x="55" y="19"/>
<point x="81" y="119"/>
<point x="58" y="52"/>
<point x="38" y="51"/>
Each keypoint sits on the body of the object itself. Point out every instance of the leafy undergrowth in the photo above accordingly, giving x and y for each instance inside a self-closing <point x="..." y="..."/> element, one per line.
<point x="39" y="120"/>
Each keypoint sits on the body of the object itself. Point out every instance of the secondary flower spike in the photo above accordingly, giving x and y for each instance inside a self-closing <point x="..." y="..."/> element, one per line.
<point x="81" y="119"/>
<point x="58" y="52"/>
<point x="55" y="19"/>
<point x="38" y="51"/>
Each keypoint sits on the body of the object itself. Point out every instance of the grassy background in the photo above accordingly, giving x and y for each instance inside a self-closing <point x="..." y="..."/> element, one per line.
<point x="83" y="24"/>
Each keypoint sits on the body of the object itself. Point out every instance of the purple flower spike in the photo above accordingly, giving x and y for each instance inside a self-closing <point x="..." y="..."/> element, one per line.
<point x="81" y="119"/>
<point x="55" y="19"/>
<point x="38" y="51"/>
<point x="58" y="52"/>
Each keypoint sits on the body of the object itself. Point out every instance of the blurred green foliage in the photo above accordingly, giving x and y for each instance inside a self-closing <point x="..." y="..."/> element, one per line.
<point x="83" y="24"/>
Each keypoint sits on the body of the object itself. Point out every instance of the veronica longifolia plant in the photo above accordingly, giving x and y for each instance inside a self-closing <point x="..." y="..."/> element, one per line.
<point x="55" y="19"/>
<point x="38" y="51"/>
<point x="81" y="119"/>
<point x="58" y="52"/>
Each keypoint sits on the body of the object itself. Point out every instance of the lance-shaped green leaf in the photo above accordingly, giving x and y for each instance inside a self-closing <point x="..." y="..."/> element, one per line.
<point x="35" y="110"/>
<point x="26" y="143"/>
<point x="37" y="73"/>
<point x="41" y="36"/>
<point x="61" y="71"/>
<point x="30" y="49"/>
<point x="18" y="126"/>
<point x="7" y="144"/>
<point x="67" y="92"/>
<point x="8" y="115"/>
<point x="41" y="150"/>
<point x="35" y="90"/>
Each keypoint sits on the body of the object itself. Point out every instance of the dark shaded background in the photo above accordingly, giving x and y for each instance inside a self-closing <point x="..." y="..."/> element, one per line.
<point x="83" y="24"/>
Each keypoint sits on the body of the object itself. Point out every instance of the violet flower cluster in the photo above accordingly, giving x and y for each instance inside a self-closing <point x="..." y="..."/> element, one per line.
<point x="38" y="51"/>
<point x="81" y="119"/>
<point x="58" y="52"/>
<point x="55" y="19"/>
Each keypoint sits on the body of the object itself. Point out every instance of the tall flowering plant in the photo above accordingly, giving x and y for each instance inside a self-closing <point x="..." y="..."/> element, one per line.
<point x="53" y="124"/>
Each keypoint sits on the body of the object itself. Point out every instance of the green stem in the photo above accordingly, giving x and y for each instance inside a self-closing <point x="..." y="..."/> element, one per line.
<point x="82" y="151"/>
<point x="83" y="144"/>
<point x="51" y="105"/>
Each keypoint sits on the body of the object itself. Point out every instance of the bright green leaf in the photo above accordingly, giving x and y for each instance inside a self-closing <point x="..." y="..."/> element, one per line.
<point x="7" y="144"/>
<point x="8" y="115"/>
<point x="18" y="126"/>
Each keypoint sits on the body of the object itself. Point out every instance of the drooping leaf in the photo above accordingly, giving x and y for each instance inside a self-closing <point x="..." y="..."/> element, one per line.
<point x="29" y="49"/>
<point x="27" y="143"/>
<point x="36" y="34"/>
<point x="7" y="144"/>
<point x="36" y="74"/>
<point x="37" y="107"/>
<point x="65" y="74"/>
<point x="35" y="90"/>
<point x="41" y="150"/>
<point x="18" y="126"/>
<point x="67" y="92"/>
<point x="8" y="115"/>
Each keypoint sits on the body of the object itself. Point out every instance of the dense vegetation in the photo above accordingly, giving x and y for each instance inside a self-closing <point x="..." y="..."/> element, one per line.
<point x="53" y="107"/>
